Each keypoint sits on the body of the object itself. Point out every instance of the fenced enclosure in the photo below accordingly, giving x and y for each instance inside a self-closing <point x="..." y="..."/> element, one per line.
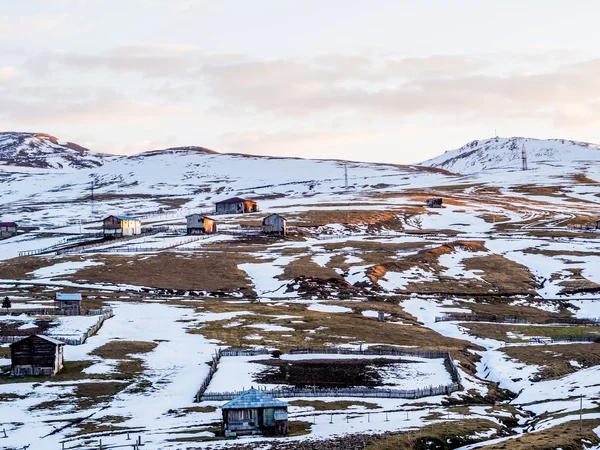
<point x="362" y="392"/>
<point x="107" y="314"/>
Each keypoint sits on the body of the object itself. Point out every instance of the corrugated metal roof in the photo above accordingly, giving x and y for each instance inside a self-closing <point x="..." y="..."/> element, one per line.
<point x="68" y="297"/>
<point x="201" y="216"/>
<point x="8" y="224"/>
<point x="235" y="200"/>
<point x="275" y="214"/>
<point x="126" y="218"/>
<point x="253" y="398"/>
<point x="41" y="336"/>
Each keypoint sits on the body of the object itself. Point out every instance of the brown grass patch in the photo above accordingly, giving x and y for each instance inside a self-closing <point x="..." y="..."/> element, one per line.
<point x="305" y="266"/>
<point x="498" y="331"/>
<point x="565" y="436"/>
<point x="321" y="217"/>
<point x="554" y="359"/>
<point x="90" y="394"/>
<point x="315" y="329"/>
<point x="197" y="271"/>
<point x="123" y="349"/>
<point x="444" y="435"/>
<point x="501" y="275"/>
<point x="320" y="405"/>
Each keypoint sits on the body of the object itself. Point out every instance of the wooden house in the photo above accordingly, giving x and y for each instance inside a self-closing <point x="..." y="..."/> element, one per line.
<point x="254" y="412"/>
<point x="236" y="205"/>
<point x="199" y="224"/>
<point x="69" y="303"/>
<point x="274" y="224"/>
<point x="36" y="355"/>
<point x="119" y="226"/>
<point x="8" y="229"/>
<point x="435" y="202"/>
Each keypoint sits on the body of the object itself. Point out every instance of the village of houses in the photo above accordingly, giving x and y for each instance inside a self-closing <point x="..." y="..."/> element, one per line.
<point x="125" y="366"/>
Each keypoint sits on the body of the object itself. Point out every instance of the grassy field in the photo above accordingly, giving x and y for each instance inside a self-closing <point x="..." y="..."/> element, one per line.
<point x="314" y="328"/>
<point x="554" y="360"/>
<point x="566" y="436"/>
<point x="443" y="435"/>
<point x="499" y="331"/>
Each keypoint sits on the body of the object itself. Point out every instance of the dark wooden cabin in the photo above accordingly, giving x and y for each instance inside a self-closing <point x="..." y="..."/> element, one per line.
<point x="70" y="303"/>
<point x="435" y="202"/>
<point x="236" y="205"/>
<point x="8" y="229"/>
<point x="36" y="355"/>
<point x="254" y="412"/>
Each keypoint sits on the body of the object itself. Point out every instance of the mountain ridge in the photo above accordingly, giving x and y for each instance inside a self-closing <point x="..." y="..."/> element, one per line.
<point x="506" y="154"/>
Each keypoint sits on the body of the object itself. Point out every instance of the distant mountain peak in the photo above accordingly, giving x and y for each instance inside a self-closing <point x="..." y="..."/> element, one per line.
<point x="40" y="150"/>
<point x="506" y="153"/>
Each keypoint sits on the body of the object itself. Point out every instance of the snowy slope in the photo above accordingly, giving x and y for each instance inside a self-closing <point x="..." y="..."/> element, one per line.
<point x="45" y="151"/>
<point x="130" y="184"/>
<point x="505" y="153"/>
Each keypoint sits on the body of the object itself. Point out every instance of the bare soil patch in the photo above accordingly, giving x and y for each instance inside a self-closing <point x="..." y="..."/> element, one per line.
<point x="323" y="373"/>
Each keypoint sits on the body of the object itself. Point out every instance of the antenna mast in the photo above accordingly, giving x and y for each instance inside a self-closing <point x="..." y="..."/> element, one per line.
<point x="92" y="196"/>
<point x="524" y="157"/>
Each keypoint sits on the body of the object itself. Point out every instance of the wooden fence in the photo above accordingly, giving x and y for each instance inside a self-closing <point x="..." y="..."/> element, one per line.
<point x="343" y="392"/>
<point x="362" y="392"/>
<point x="70" y="341"/>
<point x="117" y="240"/>
<point x="213" y="368"/>
<point x="574" y="320"/>
<point x="55" y="312"/>
<point x="467" y="317"/>
<point x="567" y="338"/>
<point x="244" y="351"/>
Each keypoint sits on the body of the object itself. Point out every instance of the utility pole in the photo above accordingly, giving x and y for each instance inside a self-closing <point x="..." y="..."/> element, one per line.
<point x="346" y="176"/>
<point x="92" y="197"/>
<point x="580" y="413"/>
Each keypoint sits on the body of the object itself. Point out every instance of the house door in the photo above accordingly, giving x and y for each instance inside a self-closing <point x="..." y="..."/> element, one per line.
<point x="261" y="420"/>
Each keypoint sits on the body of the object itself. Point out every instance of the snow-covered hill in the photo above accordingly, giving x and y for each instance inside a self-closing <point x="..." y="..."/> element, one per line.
<point x="197" y="177"/>
<point x="47" y="152"/>
<point x="506" y="153"/>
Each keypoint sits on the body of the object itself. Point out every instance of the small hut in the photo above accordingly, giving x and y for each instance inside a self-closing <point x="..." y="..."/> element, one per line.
<point x="236" y="205"/>
<point x="69" y="303"/>
<point x="435" y="202"/>
<point x="119" y="226"/>
<point x="199" y="224"/>
<point x="254" y="412"/>
<point x="274" y="224"/>
<point x="8" y="229"/>
<point x="36" y="355"/>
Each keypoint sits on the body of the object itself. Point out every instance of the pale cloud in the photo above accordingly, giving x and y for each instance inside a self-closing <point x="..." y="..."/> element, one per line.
<point x="15" y="27"/>
<point x="446" y="85"/>
<point x="9" y="73"/>
<point x="95" y="106"/>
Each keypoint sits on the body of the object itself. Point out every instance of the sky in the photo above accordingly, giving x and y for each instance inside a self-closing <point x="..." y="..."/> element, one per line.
<point x="378" y="80"/>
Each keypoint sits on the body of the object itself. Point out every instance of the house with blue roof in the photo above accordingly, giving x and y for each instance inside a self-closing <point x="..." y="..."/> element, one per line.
<point x="255" y="412"/>
<point x="119" y="226"/>
<point x="69" y="303"/>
